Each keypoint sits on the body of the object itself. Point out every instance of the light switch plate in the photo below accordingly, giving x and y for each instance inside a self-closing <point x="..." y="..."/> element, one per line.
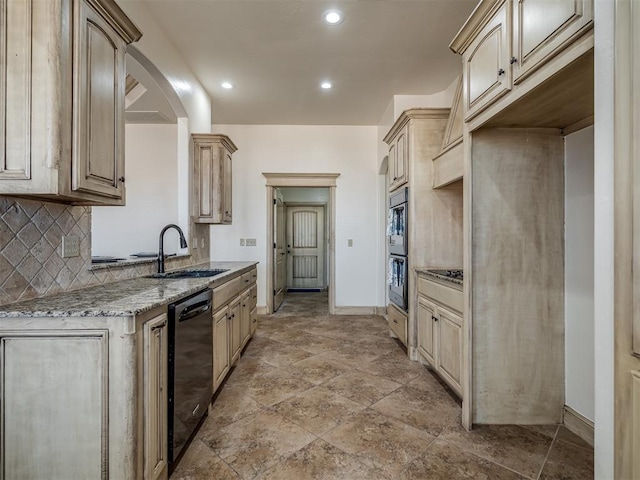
<point x="251" y="242"/>
<point x="242" y="242"/>
<point x="350" y="242"/>
<point x="70" y="246"/>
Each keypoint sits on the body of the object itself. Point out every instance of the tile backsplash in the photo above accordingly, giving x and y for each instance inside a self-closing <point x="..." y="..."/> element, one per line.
<point x="31" y="263"/>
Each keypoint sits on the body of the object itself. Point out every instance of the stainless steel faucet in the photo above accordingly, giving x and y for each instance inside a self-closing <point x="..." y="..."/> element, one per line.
<point x="183" y="244"/>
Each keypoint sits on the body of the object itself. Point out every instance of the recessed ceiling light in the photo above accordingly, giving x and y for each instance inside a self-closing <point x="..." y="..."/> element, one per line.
<point x="333" y="17"/>
<point x="326" y="85"/>
<point x="228" y="85"/>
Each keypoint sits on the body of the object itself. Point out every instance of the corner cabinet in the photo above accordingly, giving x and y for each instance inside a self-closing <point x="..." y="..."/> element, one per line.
<point x="212" y="157"/>
<point x="398" y="159"/>
<point x="62" y="87"/>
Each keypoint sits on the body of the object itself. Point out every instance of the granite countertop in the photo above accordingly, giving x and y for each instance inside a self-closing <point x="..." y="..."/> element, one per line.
<point x="124" y="298"/>
<point x="428" y="271"/>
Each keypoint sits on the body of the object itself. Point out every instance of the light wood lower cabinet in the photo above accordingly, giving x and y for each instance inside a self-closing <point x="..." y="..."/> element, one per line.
<point x="221" y="355"/>
<point x="234" y="322"/>
<point x="397" y="323"/>
<point x="440" y="330"/>
<point x="236" y="331"/>
<point x="155" y="361"/>
<point x="84" y="397"/>
<point x="245" y="317"/>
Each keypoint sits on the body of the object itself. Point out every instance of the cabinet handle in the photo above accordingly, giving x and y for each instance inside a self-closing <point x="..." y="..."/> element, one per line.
<point x="395" y="321"/>
<point x="435" y="319"/>
<point x="158" y="327"/>
<point x="246" y="281"/>
<point x="121" y="179"/>
<point x="513" y="60"/>
<point x="501" y="72"/>
<point x="244" y="304"/>
<point x="395" y="178"/>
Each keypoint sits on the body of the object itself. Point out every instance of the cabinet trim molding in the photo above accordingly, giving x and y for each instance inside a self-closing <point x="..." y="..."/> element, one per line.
<point x="113" y="14"/>
<point x="480" y="16"/>
<point x="301" y="179"/>
<point x="417" y="113"/>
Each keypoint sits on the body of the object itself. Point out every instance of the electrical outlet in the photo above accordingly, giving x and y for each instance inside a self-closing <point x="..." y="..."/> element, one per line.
<point x="70" y="246"/>
<point x="350" y="242"/>
<point x="242" y="242"/>
<point x="251" y="242"/>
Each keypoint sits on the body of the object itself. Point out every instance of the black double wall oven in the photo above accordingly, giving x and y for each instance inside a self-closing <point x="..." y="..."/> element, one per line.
<point x="398" y="248"/>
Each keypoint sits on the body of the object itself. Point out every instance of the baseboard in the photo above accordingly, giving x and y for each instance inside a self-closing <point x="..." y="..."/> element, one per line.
<point x="262" y="310"/>
<point x="356" y="310"/>
<point x="382" y="311"/>
<point x="578" y="424"/>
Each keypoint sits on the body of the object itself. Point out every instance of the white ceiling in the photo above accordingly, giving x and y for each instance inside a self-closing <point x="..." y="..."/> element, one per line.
<point x="277" y="52"/>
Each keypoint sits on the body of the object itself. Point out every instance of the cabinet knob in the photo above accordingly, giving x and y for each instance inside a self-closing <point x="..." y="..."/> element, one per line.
<point x="513" y="60"/>
<point x="159" y="326"/>
<point x="501" y="72"/>
<point x="121" y="179"/>
<point x="435" y="319"/>
<point x="395" y="321"/>
<point x="395" y="178"/>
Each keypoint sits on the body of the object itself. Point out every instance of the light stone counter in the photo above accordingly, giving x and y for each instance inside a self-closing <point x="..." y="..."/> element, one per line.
<point x="124" y="298"/>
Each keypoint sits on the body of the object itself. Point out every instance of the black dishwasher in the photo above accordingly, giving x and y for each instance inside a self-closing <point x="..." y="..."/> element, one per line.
<point x="190" y="369"/>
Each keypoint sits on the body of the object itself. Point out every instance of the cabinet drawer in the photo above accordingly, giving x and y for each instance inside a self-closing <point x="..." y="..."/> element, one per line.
<point x="254" y="275"/>
<point x="246" y="280"/>
<point x="226" y="292"/>
<point x="398" y="323"/>
<point x="449" y="296"/>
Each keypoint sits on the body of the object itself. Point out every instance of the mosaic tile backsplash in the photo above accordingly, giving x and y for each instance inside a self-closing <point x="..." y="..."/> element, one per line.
<point x="31" y="263"/>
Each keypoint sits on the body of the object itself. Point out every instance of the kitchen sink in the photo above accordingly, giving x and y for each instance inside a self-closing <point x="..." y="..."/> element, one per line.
<point x="190" y="273"/>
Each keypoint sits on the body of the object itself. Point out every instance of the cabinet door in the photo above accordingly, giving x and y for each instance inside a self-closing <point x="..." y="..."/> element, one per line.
<point x="426" y="330"/>
<point x="254" y="320"/>
<point x="391" y="163"/>
<point x="401" y="159"/>
<point x="221" y="355"/>
<point x="245" y="316"/>
<point x="98" y="117"/>
<point x="156" y="341"/>
<point x="449" y="357"/>
<point x="487" y="73"/>
<point x="226" y="188"/>
<point x="541" y="28"/>
<point x="55" y="404"/>
<point x="235" y="331"/>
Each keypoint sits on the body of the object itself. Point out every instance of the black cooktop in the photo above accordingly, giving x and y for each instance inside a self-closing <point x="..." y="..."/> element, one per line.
<point x="449" y="273"/>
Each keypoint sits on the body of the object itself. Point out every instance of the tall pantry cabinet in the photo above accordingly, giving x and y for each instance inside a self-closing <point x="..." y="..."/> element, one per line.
<point x="434" y="216"/>
<point x="62" y="87"/>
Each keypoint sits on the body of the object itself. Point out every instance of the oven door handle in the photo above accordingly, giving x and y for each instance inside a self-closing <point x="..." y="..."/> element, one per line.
<point x="194" y="311"/>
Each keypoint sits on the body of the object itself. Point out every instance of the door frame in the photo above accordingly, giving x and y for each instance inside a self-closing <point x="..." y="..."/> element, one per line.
<point x="328" y="180"/>
<point x="325" y="236"/>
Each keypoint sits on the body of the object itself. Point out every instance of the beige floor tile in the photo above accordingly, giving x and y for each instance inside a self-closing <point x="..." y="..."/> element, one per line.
<point x="231" y="405"/>
<point x="318" y="410"/>
<point x="201" y="463"/>
<point x="321" y="461"/>
<point x="567" y="461"/>
<point x="382" y="443"/>
<point x="361" y="387"/>
<point x="257" y="442"/>
<point x="568" y="436"/>
<point x="248" y="369"/>
<point x="548" y="430"/>
<point x="351" y="356"/>
<point x="282" y="356"/>
<point x="512" y="446"/>
<point x="427" y="411"/>
<point x="394" y="367"/>
<point x="443" y="461"/>
<point x="273" y="387"/>
<point x="319" y="369"/>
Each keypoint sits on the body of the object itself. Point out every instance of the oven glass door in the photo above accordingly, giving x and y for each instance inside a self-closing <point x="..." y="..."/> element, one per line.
<point x="398" y="281"/>
<point x="398" y="229"/>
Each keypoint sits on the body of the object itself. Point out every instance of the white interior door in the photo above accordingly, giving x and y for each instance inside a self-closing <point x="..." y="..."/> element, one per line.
<point x="305" y="247"/>
<point x="279" y="251"/>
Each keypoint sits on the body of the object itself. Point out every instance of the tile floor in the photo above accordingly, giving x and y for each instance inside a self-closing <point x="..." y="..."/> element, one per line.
<point x="333" y="397"/>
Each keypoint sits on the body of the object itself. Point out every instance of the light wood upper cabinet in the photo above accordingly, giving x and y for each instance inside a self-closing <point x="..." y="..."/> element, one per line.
<point x="486" y="62"/>
<point x="212" y="195"/>
<point x="506" y="42"/>
<point x="156" y="342"/>
<point x="62" y="85"/>
<point x="541" y="28"/>
<point x="398" y="160"/>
